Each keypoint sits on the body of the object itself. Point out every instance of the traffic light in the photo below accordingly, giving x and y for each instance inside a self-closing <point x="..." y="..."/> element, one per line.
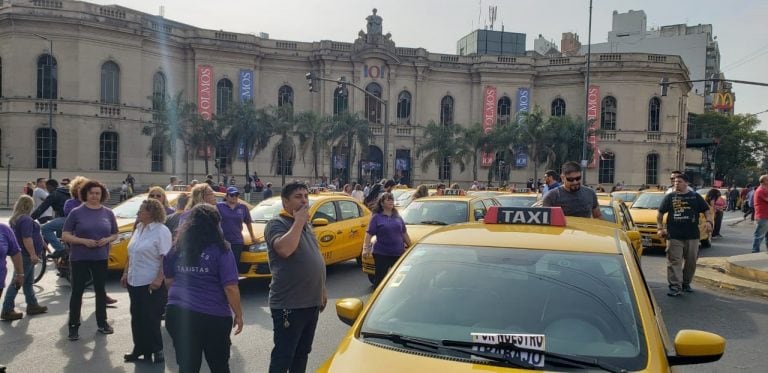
<point x="664" y="85"/>
<point x="311" y="81"/>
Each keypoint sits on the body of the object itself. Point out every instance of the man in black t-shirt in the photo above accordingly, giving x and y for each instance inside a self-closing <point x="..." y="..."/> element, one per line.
<point x="574" y="199"/>
<point x="682" y="207"/>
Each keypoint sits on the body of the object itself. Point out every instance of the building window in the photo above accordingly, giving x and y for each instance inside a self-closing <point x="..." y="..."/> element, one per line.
<point x="446" y="110"/>
<point x="654" y="109"/>
<point x="404" y="107"/>
<point x="47" y="77"/>
<point x="158" y="89"/>
<point x="285" y="96"/>
<point x="157" y="154"/>
<point x="445" y="169"/>
<point x="223" y="159"/>
<point x="284" y="162"/>
<point x="608" y="114"/>
<point x="652" y="169"/>
<point x="46" y="144"/>
<point x="558" y="107"/>
<point x="108" y="146"/>
<point x="340" y="101"/>
<point x="373" y="106"/>
<point x="110" y="83"/>
<point x="1" y="77"/>
<point x="607" y="168"/>
<point x="223" y="96"/>
<point x="503" y="110"/>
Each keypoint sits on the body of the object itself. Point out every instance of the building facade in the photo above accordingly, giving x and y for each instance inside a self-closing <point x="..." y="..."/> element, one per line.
<point x="109" y="61"/>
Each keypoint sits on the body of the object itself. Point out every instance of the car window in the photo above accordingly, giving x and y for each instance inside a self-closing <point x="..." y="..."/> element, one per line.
<point x="581" y="302"/>
<point x="266" y="210"/>
<point x="436" y="212"/>
<point x="650" y="201"/>
<point x="516" y="201"/>
<point x="479" y="209"/>
<point x="608" y="213"/>
<point x="349" y="210"/>
<point x="326" y="211"/>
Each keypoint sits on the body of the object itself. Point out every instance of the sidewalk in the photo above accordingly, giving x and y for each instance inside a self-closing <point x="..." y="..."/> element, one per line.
<point x="745" y="274"/>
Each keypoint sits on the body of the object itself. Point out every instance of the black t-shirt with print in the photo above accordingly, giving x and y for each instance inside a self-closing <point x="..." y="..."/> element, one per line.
<point x="683" y="211"/>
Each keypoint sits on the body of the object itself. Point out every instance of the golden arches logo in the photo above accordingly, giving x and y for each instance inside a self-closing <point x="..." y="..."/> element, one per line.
<point x="723" y="101"/>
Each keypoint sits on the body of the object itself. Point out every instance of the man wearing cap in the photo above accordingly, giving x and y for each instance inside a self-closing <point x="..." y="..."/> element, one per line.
<point x="233" y="215"/>
<point x="682" y="207"/>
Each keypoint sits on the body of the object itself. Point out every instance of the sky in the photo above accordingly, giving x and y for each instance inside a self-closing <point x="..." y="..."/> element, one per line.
<point x="436" y="25"/>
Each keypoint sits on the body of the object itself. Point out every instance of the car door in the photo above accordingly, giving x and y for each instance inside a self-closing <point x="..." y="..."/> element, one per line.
<point x="352" y="224"/>
<point x="326" y="235"/>
<point x="629" y="226"/>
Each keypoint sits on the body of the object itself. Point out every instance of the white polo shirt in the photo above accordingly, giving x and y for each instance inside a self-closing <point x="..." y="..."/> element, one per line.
<point x="145" y="252"/>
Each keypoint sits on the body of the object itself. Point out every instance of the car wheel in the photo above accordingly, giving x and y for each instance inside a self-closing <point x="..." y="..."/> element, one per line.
<point x="370" y="278"/>
<point x="359" y="261"/>
<point x="706" y="243"/>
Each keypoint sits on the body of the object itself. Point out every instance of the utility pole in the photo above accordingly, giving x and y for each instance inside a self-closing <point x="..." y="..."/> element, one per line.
<point x="50" y="105"/>
<point x="584" y="160"/>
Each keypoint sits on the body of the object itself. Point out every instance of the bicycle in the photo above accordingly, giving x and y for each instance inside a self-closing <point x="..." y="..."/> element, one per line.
<point x="61" y="264"/>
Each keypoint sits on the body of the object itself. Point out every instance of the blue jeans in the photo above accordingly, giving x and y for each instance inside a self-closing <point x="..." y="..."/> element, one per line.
<point x="760" y="231"/>
<point x="49" y="230"/>
<point x="29" y="291"/>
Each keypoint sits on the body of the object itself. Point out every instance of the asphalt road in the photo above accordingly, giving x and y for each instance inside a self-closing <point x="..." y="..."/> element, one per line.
<point x="38" y="343"/>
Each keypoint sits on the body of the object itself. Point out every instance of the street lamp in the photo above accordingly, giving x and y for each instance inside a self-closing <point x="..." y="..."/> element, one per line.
<point x="50" y="106"/>
<point x="8" y="180"/>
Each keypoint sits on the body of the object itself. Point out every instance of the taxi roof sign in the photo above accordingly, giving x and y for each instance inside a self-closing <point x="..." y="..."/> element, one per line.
<point x="451" y="192"/>
<point x="552" y="216"/>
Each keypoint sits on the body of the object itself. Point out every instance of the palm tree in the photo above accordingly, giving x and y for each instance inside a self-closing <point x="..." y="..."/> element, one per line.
<point x="248" y="127"/>
<point x="170" y="121"/>
<point x="204" y="136"/>
<point x="567" y="140"/>
<point x="537" y="136"/>
<point x="474" y="140"/>
<point x="442" y="145"/>
<point x="312" y="130"/>
<point x="348" y="130"/>
<point x="283" y="124"/>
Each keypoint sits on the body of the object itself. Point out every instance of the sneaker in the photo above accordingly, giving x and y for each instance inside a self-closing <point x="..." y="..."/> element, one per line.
<point x="36" y="309"/>
<point x="11" y="315"/>
<point x="687" y="289"/>
<point x="674" y="292"/>
<point x="73" y="332"/>
<point x="106" y="329"/>
<point x="111" y="300"/>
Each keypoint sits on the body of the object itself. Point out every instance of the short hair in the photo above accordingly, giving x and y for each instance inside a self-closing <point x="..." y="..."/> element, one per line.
<point x="676" y="172"/>
<point x="90" y="184"/>
<point x="570" y="166"/>
<point x="551" y="173"/>
<point x="682" y="176"/>
<point x="52" y="183"/>
<point x="389" y="183"/>
<point x="762" y="178"/>
<point x="291" y="187"/>
<point x="155" y="209"/>
<point x="39" y="179"/>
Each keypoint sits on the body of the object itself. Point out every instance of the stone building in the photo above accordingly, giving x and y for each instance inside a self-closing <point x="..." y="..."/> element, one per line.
<point x="108" y="61"/>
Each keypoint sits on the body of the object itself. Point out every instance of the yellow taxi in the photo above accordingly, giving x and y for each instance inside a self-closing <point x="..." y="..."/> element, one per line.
<point x="628" y="196"/>
<point x="125" y="213"/>
<point x="524" y="290"/>
<point x="427" y="214"/>
<point x="339" y="222"/>
<point x="644" y="211"/>
<point x="517" y="199"/>
<point x="614" y="211"/>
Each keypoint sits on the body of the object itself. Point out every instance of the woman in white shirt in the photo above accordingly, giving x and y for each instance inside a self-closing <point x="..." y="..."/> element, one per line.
<point x="143" y="276"/>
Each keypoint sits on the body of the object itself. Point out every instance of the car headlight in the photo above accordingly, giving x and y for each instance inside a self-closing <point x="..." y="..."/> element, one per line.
<point x="258" y="248"/>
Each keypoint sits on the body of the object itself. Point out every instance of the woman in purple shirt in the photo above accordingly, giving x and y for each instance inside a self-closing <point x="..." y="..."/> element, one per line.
<point x="158" y="193"/>
<point x="233" y="215"/>
<point x="391" y="236"/>
<point x="89" y="230"/>
<point x="27" y="231"/>
<point x="201" y="274"/>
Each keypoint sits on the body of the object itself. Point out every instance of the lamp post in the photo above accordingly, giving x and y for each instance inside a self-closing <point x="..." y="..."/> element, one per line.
<point x="50" y="106"/>
<point x="8" y="180"/>
<point x="584" y="161"/>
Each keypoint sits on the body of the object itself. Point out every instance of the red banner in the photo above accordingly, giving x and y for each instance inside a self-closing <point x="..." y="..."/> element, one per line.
<point x="205" y="91"/>
<point x="593" y="121"/>
<point x="489" y="120"/>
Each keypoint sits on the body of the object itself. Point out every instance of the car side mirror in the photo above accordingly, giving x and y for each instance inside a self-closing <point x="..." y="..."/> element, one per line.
<point x="349" y="309"/>
<point x="697" y="347"/>
<point x="319" y="222"/>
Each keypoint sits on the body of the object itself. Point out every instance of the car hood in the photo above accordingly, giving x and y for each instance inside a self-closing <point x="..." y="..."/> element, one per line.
<point x="258" y="233"/>
<point x="417" y="231"/>
<point x="125" y="224"/>
<point x="644" y="216"/>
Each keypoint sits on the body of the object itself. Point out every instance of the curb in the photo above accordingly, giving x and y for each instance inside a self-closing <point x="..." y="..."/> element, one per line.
<point x="717" y="276"/>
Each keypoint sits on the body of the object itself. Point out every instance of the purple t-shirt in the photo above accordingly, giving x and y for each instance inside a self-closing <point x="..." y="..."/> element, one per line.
<point x="70" y="205"/>
<point x="8" y="247"/>
<point x="232" y="220"/>
<point x="169" y="210"/>
<point x="389" y="231"/>
<point x="200" y="288"/>
<point x="25" y="227"/>
<point x="94" y="224"/>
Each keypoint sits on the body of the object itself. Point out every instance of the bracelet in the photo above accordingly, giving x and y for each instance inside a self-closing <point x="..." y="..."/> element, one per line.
<point x="20" y="274"/>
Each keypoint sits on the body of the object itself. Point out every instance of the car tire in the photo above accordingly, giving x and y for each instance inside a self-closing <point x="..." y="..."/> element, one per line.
<point x="370" y="278"/>
<point x="359" y="260"/>
<point x="707" y="243"/>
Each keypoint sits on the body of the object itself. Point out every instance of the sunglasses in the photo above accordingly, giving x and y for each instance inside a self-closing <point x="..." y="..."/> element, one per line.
<point x="155" y="196"/>
<point x="233" y="195"/>
<point x="577" y="178"/>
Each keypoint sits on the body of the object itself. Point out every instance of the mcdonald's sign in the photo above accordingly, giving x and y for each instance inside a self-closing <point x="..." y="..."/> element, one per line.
<point x="723" y="101"/>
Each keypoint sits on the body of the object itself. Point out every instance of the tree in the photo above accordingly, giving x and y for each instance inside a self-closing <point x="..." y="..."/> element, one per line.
<point x="567" y="140"/>
<point x="442" y="146"/>
<point x="312" y="130"/>
<point x="348" y="130"/>
<point x="283" y="124"/>
<point x="473" y="141"/>
<point x="171" y="119"/>
<point x="204" y="136"/>
<point x="249" y="130"/>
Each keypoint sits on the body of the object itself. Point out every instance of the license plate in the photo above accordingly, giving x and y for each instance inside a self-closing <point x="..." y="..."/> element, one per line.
<point x="646" y="241"/>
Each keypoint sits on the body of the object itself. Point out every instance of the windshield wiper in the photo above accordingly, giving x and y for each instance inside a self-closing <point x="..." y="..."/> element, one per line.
<point x="552" y="357"/>
<point x="411" y="341"/>
<point x="433" y="222"/>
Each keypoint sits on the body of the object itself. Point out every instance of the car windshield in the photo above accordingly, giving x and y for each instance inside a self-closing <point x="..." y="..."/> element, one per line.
<point x="516" y="201"/>
<point x="440" y="212"/>
<point x="648" y="201"/>
<point x="403" y="198"/>
<point x="581" y="302"/>
<point x="625" y="196"/>
<point x="268" y="209"/>
<point x="129" y="208"/>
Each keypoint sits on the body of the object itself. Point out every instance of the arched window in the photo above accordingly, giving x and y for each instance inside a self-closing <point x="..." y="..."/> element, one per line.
<point x="110" y="83"/>
<point x="284" y="162"/>
<point x="558" y="107"/>
<point x="652" y="169"/>
<point x="654" y="109"/>
<point x="503" y="110"/>
<point x="158" y="89"/>
<point x="157" y="155"/>
<point x="223" y="96"/>
<point x="608" y="114"/>
<point x="285" y="96"/>
<point x="47" y="77"/>
<point x="340" y="101"/>
<point x="404" y="107"/>
<point x="1" y="77"/>
<point x="607" y="167"/>
<point x="446" y="110"/>
<point x="445" y="169"/>
<point x="46" y="144"/>
<point x="108" y="146"/>
<point x="372" y="106"/>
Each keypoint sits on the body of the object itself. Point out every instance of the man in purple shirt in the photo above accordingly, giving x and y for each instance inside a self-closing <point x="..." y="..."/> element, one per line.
<point x="233" y="215"/>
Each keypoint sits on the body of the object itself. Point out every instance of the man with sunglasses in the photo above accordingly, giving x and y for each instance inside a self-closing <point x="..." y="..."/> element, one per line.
<point x="571" y="197"/>
<point x="672" y="178"/>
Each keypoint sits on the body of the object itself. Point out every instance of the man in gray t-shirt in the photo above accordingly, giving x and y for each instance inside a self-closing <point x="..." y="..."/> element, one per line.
<point x="571" y="197"/>
<point x="297" y="293"/>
